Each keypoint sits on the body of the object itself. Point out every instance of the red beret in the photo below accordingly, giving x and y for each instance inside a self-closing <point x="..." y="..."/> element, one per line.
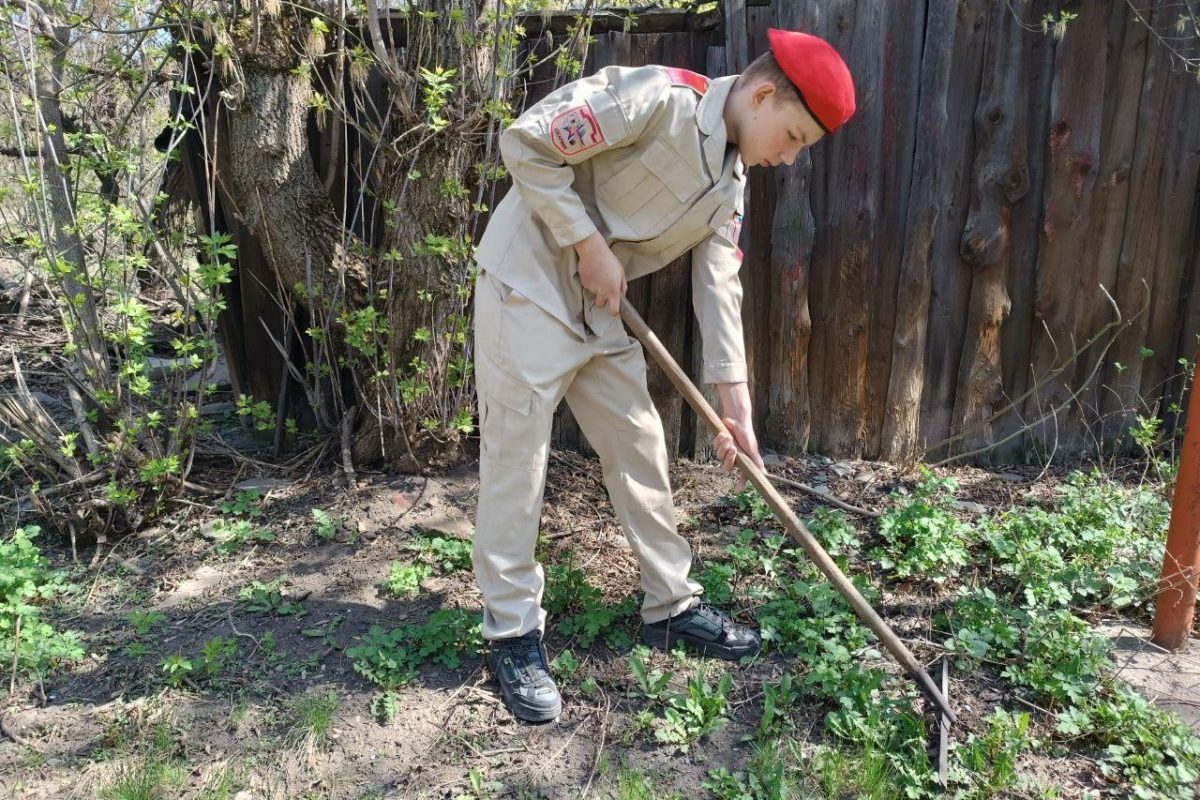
<point x="819" y="74"/>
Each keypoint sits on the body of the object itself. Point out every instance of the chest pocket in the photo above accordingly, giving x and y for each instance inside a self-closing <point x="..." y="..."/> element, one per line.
<point x="652" y="191"/>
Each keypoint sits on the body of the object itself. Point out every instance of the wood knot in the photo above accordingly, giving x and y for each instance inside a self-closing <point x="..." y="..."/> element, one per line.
<point x="1016" y="183"/>
<point x="1081" y="167"/>
<point x="1060" y="134"/>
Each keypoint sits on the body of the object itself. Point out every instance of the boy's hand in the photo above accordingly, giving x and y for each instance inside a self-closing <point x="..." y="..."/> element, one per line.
<point x="601" y="273"/>
<point x="735" y="400"/>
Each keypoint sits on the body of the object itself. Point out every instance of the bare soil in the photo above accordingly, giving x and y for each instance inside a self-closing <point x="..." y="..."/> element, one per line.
<point x="77" y="729"/>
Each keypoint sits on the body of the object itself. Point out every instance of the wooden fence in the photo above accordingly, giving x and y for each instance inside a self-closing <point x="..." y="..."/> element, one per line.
<point x="942" y="257"/>
<point x="1009" y="220"/>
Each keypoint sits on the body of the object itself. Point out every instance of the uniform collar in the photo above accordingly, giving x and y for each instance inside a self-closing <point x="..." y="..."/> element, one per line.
<point x="710" y="119"/>
<point x="710" y="112"/>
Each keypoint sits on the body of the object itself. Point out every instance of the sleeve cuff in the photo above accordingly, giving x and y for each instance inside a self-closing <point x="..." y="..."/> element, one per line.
<point x="577" y="231"/>
<point x="726" y="372"/>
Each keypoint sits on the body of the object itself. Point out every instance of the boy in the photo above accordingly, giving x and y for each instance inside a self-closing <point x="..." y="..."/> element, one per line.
<point x="615" y="176"/>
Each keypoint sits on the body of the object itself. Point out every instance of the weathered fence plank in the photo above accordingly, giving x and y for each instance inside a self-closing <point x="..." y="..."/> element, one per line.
<point x="952" y="276"/>
<point x="905" y="40"/>
<point x="928" y="197"/>
<point x="1001" y="179"/>
<point x="1144" y="228"/>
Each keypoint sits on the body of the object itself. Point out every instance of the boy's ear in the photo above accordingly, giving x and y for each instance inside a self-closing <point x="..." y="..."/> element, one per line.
<point x="762" y="92"/>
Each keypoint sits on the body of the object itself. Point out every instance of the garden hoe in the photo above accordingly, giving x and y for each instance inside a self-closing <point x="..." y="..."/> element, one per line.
<point x="791" y="522"/>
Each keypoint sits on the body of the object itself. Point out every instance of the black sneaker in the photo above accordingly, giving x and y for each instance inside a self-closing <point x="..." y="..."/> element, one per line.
<point x="705" y="630"/>
<point x="520" y="666"/>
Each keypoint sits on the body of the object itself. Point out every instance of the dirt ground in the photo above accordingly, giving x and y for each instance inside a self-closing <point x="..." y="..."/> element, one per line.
<point x="451" y="722"/>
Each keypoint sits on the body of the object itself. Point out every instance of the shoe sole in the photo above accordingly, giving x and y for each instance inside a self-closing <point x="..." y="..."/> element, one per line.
<point x="666" y="640"/>
<point x="529" y="717"/>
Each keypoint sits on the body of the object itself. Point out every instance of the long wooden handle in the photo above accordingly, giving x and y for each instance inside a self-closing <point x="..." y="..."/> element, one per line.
<point x="785" y="514"/>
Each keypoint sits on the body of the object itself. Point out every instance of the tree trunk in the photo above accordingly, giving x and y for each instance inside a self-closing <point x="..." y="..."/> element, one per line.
<point x="85" y="331"/>
<point x="391" y="311"/>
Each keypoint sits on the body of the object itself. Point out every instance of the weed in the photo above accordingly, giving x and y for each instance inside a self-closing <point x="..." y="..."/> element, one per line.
<point x="887" y="730"/>
<point x="717" y="580"/>
<point x="136" y="649"/>
<point x="777" y="698"/>
<point x="268" y="597"/>
<point x="177" y="669"/>
<point x="986" y="766"/>
<point x="405" y="578"/>
<point x="1062" y="657"/>
<point x="325" y="526"/>
<point x="632" y="784"/>
<point x="565" y="665"/>
<point x="697" y="713"/>
<point x="216" y="654"/>
<point x="325" y="631"/>
<point x="147" y="778"/>
<point x="751" y="502"/>
<point x="246" y="503"/>
<point x="1152" y="750"/>
<point x="650" y="683"/>
<point x="864" y="774"/>
<point x="582" y="609"/>
<point x="26" y="584"/>
<point x="238" y="533"/>
<point x="386" y="705"/>
<point x="143" y="621"/>
<point x="922" y="538"/>
<point x="480" y="787"/>
<point x="834" y="531"/>
<point x="1102" y="545"/>
<point x="391" y="658"/>
<point x="447" y="554"/>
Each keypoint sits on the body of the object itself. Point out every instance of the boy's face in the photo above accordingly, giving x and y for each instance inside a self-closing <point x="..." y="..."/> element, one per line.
<point x="773" y="130"/>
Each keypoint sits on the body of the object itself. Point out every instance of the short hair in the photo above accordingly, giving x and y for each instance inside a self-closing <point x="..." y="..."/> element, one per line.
<point x="766" y="68"/>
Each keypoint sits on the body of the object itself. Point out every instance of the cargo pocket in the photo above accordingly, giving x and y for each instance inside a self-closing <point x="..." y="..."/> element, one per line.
<point x="511" y="421"/>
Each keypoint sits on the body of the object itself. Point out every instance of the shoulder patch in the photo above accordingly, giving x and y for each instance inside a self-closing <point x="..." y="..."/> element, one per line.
<point x="576" y="130"/>
<point x="685" y="77"/>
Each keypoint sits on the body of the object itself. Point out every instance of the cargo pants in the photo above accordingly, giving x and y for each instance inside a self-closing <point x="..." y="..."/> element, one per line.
<point x="526" y="362"/>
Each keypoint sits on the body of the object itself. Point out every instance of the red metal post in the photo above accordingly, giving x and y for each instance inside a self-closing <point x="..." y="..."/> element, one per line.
<point x="1176" y="604"/>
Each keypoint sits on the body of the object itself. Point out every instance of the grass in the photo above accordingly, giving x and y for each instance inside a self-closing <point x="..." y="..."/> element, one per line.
<point x="144" y="779"/>
<point x="145" y="764"/>
<point x="315" y="713"/>
<point x="633" y="784"/>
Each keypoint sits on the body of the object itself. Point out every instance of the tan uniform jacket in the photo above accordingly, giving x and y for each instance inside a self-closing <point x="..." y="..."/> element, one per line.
<point x="638" y="153"/>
